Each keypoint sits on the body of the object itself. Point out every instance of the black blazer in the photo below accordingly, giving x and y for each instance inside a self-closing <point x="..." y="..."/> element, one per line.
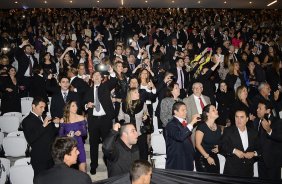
<point x="58" y="104"/>
<point x="23" y="62"/>
<point x="81" y="86"/>
<point x="60" y="174"/>
<point x="104" y="95"/>
<point x="229" y="141"/>
<point x="38" y="87"/>
<point x="179" y="149"/>
<point x="175" y="74"/>
<point x="271" y="145"/>
<point x="39" y="138"/>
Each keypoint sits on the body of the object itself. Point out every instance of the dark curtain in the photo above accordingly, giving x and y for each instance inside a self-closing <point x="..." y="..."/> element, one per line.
<point x="162" y="176"/>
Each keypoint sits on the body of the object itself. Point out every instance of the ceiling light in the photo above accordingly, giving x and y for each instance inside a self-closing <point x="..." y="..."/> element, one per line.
<point x="45" y="2"/>
<point x="272" y="3"/>
<point x="122" y="2"/>
<point x="146" y="1"/>
<point x="172" y="1"/>
<point x="98" y="1"/>
<point x="16" y="2"/>
<point x="70" y="1"/>
<point x="250" y="2"/>
<point x="199" y="2"/>
<point x="225" y="2"/>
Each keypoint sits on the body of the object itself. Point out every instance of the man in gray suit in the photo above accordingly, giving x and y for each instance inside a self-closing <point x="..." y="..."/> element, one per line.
<point x="196" y="102"/>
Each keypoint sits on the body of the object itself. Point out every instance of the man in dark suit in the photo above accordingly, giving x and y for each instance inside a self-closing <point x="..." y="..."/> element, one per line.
<point x="79" y="85"/>
<point x="179" y="147"/>
<point x="270" y="139"/>
<point x="61" y="96"/>
<point x="26" y="63"/>
<point x="239" y="145"/>
<point x="100" y="112"/>
<point x="40" y="134"/>
<point x="181" y="77"/>
<point x="64" y="152"/>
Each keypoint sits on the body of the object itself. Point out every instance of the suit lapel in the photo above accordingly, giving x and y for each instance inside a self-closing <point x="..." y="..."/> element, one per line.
<point x="194" y="105"/>
<point x="238" y="137"/>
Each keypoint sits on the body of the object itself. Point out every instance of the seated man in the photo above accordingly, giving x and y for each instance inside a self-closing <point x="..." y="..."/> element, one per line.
<point x="141" y="172"/>
<point x="64" y="153"/>
<point x="120" y="149"/>
<point x="239" y="144"/>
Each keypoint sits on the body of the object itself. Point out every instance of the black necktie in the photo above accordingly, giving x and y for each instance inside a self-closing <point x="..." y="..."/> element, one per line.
<point x="181" y="79"/>
<point x="30" y="66"/>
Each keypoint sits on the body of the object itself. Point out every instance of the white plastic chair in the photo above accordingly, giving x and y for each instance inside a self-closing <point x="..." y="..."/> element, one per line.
<point x="26" y="105"/>
<point x="256" y="169"/>
<point x="14" y="146"/>
<point x="22" y="161"/>
<point x="17" y="114"/>
<point x="159" y="151"/>
<point x="4" y="168"/>
<point x="1" y="138"/>
<point x="155" y="124"/>
<point x="16" y="134"/>
<point x="221" y="163"/>
<point x="7" y="164"/>
<point x="9" y="124"/>
<point x="21" y="174"/>
<point x="158" y="144"/>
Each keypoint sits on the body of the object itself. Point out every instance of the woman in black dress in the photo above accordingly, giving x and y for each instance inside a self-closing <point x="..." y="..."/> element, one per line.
<point x="224" y="98"/>
<point x="11" y="101"/>
<point x="207" y="139"/>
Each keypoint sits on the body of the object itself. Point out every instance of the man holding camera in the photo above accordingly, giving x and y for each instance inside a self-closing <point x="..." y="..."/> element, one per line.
<point x="270" y="139"/>
<point x="120" y="149"/>
<point x="40" y="134"/>
<point x="179" y="148"/>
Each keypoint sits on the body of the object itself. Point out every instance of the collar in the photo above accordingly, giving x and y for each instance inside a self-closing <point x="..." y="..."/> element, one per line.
<point x="180" y="119"/>
<point x="67" y="91"/>
<point x="71" y="79"/>
<point x="34" y="113"/>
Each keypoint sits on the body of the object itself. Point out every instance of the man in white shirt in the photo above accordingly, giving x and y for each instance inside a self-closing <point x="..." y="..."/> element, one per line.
<point x="100" y="110"/>
<point x="239" y="145"/>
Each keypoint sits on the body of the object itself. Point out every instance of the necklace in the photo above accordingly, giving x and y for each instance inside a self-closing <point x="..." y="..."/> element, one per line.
<point x="212" y="127"/>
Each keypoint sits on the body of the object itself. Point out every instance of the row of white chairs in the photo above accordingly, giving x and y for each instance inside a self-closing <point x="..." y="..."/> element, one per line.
<point x="20" y="173"/>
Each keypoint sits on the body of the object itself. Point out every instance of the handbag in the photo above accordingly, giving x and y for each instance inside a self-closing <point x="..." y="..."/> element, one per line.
<point x="147" y="126"/>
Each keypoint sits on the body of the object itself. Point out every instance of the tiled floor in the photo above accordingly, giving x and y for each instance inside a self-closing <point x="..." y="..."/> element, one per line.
<point x="101" y="172"/>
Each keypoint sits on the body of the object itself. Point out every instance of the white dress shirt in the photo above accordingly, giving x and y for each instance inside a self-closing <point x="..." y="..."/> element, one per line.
<point x="198" y="105"/>
<point x="189" y="126"/>
<point x="244" y="138"/>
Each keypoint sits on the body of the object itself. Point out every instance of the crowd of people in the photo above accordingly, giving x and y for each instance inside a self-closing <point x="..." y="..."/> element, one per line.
<point x="219" y="70"/>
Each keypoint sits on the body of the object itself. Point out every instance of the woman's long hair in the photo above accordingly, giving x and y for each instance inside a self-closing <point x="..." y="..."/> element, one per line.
<point x="66" y="115"/>
<point x="140" y="73"/>
<point x="206" y="110"/>
<point x="130" y="104"/>
<point x="239" y="91"/>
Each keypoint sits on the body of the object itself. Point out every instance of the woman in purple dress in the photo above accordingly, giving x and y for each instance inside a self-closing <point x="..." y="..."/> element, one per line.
<point x="74" y="125"/>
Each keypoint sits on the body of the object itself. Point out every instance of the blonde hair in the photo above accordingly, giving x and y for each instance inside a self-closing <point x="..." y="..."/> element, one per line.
<point x="130" y="106"/>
